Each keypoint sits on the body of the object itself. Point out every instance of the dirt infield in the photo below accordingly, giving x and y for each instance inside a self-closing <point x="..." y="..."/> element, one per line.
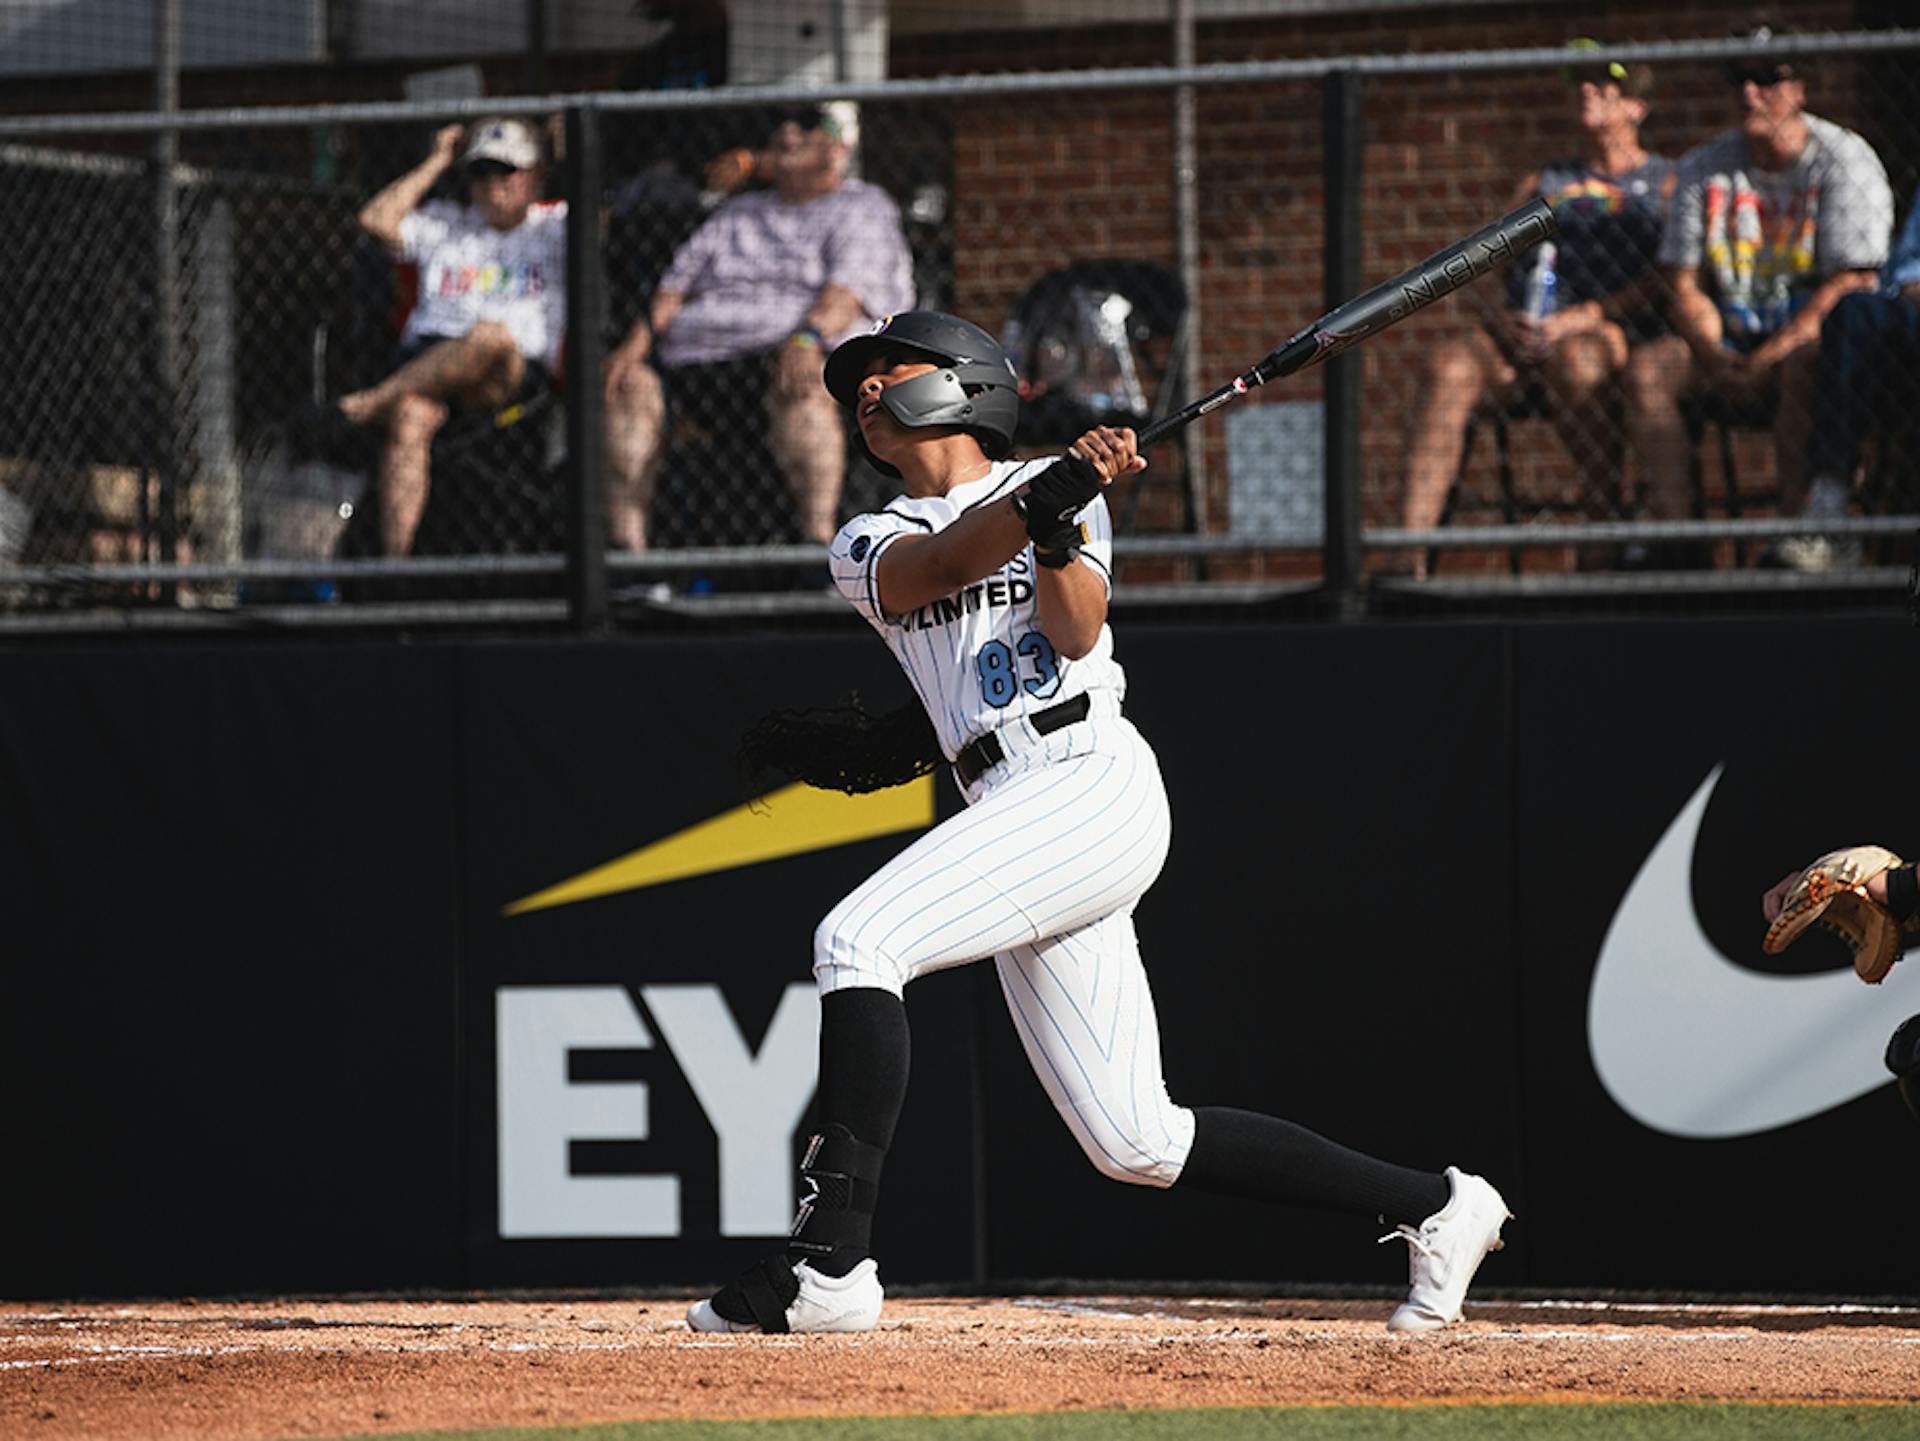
<point x="234" y="1371"/>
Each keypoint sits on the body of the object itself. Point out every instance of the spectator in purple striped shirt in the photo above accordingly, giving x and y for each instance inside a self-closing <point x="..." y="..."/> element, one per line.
<point x="750" y="306"/>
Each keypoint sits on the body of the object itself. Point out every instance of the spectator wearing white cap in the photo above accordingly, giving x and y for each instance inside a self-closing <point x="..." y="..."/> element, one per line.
<point x="487" y="326"/>
<point x="751" y="304"/>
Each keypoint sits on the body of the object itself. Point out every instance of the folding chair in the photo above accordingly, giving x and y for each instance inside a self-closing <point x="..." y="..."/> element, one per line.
<point x="1099" y="342"/>
<point x="1513" y="506"/>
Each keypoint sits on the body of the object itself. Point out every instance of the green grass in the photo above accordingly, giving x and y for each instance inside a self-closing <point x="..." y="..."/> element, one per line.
<point x="1670" y="1421"/>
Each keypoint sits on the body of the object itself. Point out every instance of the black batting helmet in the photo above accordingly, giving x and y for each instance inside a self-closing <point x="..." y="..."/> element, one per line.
<point x="974" y="389"/>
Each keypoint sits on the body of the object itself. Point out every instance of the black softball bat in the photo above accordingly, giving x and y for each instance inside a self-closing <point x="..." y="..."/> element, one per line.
<point x="1388" y="303"/>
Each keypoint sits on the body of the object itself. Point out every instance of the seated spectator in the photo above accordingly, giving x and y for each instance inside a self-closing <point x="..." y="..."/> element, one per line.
<point x="488" y="324"/>
<point x="1772" y="223"/>
<point x="1868" y="376"/>
<point x="1573" y="308"/>
<point x="751" y="304"/>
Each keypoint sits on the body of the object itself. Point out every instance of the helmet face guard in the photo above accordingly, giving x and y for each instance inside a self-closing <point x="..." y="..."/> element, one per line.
<point x="974" y="389"/>
<point x="936" y="398"/>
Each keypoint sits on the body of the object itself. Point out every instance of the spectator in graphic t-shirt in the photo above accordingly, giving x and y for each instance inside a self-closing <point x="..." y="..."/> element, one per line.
<point x="1572" y="309"/>
<point x="487" y="327"/>
<point x="1772" y="223"/>
<point x="750" y="306"/>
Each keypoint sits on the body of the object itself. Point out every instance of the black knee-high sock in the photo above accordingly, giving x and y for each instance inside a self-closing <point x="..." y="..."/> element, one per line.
<point x="864" y="1059"/>
<point x="864" y="1055"/>
<point x="1262" y="1158"/>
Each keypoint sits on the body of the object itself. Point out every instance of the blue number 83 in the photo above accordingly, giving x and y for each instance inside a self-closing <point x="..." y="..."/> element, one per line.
<point x="1001" y="677"/>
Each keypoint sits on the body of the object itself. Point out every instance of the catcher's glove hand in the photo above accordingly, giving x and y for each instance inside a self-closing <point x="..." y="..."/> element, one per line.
<point x="1833" y="892"/>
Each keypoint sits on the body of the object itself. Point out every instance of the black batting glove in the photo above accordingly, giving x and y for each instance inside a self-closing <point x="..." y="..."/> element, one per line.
<point x="1055" y="497"/>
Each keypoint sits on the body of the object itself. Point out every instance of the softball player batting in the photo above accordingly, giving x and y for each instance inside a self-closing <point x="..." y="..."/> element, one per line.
<point x="988" y="580"/>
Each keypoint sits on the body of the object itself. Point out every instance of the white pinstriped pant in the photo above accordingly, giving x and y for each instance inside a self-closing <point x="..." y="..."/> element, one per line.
<point x="1042" y="872"/>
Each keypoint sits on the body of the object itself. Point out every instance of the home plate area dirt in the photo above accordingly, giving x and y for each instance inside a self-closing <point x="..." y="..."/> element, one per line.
<point x="247" y="1371"/>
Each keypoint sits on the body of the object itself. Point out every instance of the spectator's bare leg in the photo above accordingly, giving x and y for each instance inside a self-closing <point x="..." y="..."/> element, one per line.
<point x="1458" y="376"/>
<point x="808" y="442"/>
<point x="484" y="368"/>
<point x="412" y="423"/>
<point x="1581" y="376"/>
<point x="636" y="421"/>
<point x="1658" y="374"/>
<point x="1793" y="425"/>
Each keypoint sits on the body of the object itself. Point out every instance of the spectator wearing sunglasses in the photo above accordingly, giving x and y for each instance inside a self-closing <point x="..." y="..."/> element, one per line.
<point x="1773" y="222"/>
<point x="1564" y="358"/>
<point x="487" y="325"/>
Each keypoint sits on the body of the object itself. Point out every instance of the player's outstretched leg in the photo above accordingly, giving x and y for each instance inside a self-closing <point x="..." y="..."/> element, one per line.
<point x="1243" y="1153"/>
<point x="1446" y="1249"/>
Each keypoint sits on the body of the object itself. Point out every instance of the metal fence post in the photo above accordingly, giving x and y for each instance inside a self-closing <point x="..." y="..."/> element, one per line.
<point x="1186" y="211"/>
<point x="586" y="322"/>
<point x="536" y="69"/>
<point x="1343" y="124"/>
<point x="163" y="440"/>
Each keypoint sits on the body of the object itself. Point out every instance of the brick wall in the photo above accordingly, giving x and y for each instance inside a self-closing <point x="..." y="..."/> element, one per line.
<point x="1039" y="181"/>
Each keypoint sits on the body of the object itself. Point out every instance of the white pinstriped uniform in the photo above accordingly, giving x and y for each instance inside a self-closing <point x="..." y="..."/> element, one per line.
<point x="1043" y="869"/>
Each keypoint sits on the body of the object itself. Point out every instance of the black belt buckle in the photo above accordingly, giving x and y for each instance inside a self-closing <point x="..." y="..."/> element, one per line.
<point x="985" y="752"/>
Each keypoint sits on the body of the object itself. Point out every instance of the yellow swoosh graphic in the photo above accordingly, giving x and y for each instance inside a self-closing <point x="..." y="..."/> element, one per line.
<point x="788" y="822"/>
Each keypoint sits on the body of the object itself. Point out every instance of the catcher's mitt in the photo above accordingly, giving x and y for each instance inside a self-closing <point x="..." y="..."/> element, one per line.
<point x="1832" y="892"/>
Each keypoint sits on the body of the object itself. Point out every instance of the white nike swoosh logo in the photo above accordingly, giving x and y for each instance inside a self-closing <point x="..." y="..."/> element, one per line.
<point x="1688" y="1043"/>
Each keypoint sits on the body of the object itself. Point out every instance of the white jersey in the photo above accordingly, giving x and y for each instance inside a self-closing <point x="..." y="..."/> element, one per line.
<point x="1057" y="844"/>
<point x="470" y="272"/>
<point x="978" y="660"/>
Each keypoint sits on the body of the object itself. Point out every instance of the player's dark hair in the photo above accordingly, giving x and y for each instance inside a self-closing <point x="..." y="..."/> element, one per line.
<point x="841" y="748"/>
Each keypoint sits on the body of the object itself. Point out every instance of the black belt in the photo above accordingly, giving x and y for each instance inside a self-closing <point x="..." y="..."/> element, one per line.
<point x="982" y="753"/>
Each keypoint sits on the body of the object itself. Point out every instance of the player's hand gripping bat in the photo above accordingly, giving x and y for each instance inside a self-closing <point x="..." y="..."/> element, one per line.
<point x="1372" y="311"/>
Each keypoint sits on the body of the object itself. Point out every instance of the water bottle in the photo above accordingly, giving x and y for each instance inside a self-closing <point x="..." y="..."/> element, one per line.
<point x="1540" y="285"/>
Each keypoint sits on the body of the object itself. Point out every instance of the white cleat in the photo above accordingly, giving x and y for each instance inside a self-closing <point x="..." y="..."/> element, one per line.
<point x="824" y="1303"/>
<point x="1446" y="1250"/>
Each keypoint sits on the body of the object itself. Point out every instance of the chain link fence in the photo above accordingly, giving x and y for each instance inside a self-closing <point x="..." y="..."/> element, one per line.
<point x="1702" y="386"/>
<point x="240" y="387"/>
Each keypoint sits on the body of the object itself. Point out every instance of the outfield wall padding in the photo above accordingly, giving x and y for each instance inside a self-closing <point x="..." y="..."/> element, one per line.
<point x="284" y="1012"/>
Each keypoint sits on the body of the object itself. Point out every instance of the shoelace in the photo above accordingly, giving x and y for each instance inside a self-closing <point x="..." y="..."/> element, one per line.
<point x="1412" y="1237"/>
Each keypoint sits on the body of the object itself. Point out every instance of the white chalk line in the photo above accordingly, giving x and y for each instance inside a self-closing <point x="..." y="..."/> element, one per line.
<point x="1090" y="1307"/>
<point x="1692" y="1308"/>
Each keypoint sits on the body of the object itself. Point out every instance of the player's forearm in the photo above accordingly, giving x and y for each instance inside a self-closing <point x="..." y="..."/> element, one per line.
<point x="1071" y="603"/>
<point x="918" y="570"/>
